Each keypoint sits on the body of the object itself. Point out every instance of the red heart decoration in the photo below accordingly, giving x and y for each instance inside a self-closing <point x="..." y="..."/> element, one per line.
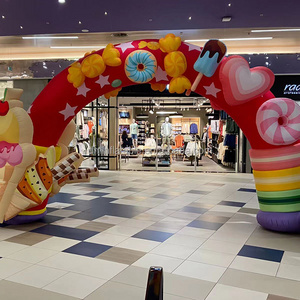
<point x="242" y="84"/>
<point x="4" y="108"/>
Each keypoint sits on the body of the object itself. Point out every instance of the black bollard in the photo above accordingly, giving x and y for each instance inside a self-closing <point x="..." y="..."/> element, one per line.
<point x="155" y="284"/>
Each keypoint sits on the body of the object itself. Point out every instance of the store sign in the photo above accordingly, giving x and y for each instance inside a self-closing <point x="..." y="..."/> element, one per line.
<point x="291" y="89"/>
<point x="287" y="86"/>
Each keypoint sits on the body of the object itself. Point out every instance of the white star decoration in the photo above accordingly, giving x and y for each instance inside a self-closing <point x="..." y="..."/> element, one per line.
<point x="29" y="109"/>
<point x="68" y="112"/>
<point x="82" y="90"/>
<point x="103" y="80"/>
<point x="212" y="90"/>
<point x="193" y="47"/>
<point x="125" y="46"/>
<point x="160" y="75"/>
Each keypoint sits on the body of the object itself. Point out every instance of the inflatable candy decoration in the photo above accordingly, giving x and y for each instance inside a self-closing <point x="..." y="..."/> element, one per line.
<point x="158" y="86"/>
<point x="140" y="66"/>
<point x="240" y="83"/>
<point x="278" y="121"/>
<point x="232" y="87"/>
<point x="208" y="61"/>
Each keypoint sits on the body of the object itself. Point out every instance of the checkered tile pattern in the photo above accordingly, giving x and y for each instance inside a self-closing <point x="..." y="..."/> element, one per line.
<point x="99" y="239"/>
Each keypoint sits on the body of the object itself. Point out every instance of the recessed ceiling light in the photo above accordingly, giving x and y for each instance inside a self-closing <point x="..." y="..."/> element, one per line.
<point x="21" y="27"/>
<point x="166" y="112"/>
<point x="233" y="39"/>
<point x="190" y="18"/>
<point x="105" y="13"/>
<point x="3" y="17"/>
<point x="226" y="19"/>
<point x="77" y="47"/>
<point x="48" y="37"/>
<point x="229" y="4"/>
<point x="275" y="30"/>
<point x="79" y="22"/>
<point x="85" y="30"/>
<point x="150" y="20"/>
<point x="61" y="1"/>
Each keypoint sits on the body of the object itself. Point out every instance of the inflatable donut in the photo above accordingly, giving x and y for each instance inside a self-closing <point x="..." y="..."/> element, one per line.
<point x="278" y="121"/>
<point x="140" y="66"/>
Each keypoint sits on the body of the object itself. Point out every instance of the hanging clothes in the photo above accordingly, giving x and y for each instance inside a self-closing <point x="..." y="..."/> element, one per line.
<point x="193" y="128"/>
<point x="179" y="141"/>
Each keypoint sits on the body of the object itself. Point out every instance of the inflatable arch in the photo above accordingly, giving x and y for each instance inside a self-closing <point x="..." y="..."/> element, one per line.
<point x="272" y="125"/>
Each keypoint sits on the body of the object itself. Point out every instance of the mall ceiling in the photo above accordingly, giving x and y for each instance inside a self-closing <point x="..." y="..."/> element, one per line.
<point x="20" y="17"/>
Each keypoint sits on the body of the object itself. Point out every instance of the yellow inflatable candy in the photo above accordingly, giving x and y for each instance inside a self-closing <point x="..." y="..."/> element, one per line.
<point x="113" y="93"/>
<point x="175" y="63"/>
<point x="93" y="66"/>
<point x="158" y="86"/>
<point x="150" y="45"/>
<point x="170" y="43"/>
<point x="179" y="85"/>
<point x="75" y="75"/>
<point x="111" y="56"/>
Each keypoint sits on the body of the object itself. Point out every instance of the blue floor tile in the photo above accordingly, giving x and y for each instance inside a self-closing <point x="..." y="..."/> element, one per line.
<point x="164" y="196"/>
<point x="66" y="232"/>
<point x="95" y="186"/>
<point x="205" y="225"/>
<point x="197" y="210"/>
<point x="87" y="249"/>
<point x="247" y="190"/>
<point x="261" y="253"/>
<point x="232" y="203"/>
<point x="153" y="235"/>
<point x="98" y="194"/>
<point x="50" y="219"/>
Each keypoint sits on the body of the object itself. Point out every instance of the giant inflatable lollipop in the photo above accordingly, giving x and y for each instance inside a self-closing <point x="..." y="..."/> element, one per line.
<point x="271" y="125"/>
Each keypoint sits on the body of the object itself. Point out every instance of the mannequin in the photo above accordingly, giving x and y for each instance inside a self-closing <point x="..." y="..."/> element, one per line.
<point x="166" y="132"/>
<point x="134" y="131"/>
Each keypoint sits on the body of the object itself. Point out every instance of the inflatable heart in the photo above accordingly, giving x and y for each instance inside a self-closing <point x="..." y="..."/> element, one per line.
<point x="242" y="84"/>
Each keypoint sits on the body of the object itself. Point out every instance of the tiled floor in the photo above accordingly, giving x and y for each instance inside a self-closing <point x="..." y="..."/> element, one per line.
<point x="100" y="238"/>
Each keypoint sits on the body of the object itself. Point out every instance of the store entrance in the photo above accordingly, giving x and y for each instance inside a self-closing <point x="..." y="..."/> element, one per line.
<point x="175" y="135"/>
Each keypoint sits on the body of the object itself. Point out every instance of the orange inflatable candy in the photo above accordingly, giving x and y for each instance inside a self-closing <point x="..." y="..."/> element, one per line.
<point x="175" y="64"/>
<point x="158" y="86"/>
<point x="93" y="66"/>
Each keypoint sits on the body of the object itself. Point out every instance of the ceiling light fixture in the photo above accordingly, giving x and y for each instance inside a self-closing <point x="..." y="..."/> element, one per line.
<point x="151" y="111"/>
<point x="85" y="30"/>
<point x="48" y="37"/>
<point x="61" y="1"/>
<point x="190" y="18"/>
<point x="275" y="30"/>
<point x="77" y="47"/>
<point x="105" y="13"/>
<point x="3" y="17"/>
<point x="21" y="27"/>
<point x="166" y="112"/>
<point x="176" y="116"/>
<point x="226" y="19"/>
<point x="234" y="39"/>
<point x="79" y="22"/>
<point x="229" y="4"/>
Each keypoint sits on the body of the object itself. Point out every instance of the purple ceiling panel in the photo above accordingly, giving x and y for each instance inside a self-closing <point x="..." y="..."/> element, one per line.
<point x="49" y="16"/>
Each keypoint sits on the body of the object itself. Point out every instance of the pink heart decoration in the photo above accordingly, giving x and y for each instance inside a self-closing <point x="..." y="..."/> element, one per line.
<point x="242" y="84"/>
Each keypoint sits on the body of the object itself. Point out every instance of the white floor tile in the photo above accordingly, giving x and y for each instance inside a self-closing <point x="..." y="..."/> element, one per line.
<point x="6" y="233"/>
<point x="200" y="271"/>
<point x="197" y="232"/>
<point x="123" y="230"/>
<point x="255" y="265"/>
<point x="171" y="250"/>
<point x="226" y="208"/>
<point x="37" y="276"/>
<point x="212" y="258"/>
<point x="32" y="255"/>
<point x="85" y="197"/>
<point x="110" y="219"/>
<point x="56" y="243"/>
<point x="7" y="248"/>
<point x="9" y="267"/>
<point x="289" y="272"/>
<point x="222" y="247"/>
<point x="138" y="244"/>
<point x="169" y="264"/>
<point x="59" y="205"/>
<point x="70" y="222"/>
<point x="84" y="265"/>
<point x="185" y="240"/>
<point x="225" y="292"/>
<point x="107" y="239"/>
<point x="289" y="258"/>
<point x="75" y="285"/>
<point x="137" y="223"/>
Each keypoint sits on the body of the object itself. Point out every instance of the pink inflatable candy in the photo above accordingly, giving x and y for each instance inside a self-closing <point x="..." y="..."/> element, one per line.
<point x="278" y="121"/>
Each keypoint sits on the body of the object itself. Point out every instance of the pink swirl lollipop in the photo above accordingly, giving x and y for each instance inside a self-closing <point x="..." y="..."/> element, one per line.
<point x="278" y="121"/>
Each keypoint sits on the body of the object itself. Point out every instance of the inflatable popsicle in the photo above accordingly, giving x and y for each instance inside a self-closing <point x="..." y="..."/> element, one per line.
<point x="208" y="61"/>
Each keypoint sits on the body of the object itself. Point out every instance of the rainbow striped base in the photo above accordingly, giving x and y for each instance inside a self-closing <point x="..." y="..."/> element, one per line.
<point x="277" y="178"/>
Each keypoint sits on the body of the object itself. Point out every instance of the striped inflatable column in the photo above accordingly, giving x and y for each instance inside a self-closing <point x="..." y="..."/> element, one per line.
<point x="277" y="180"/>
